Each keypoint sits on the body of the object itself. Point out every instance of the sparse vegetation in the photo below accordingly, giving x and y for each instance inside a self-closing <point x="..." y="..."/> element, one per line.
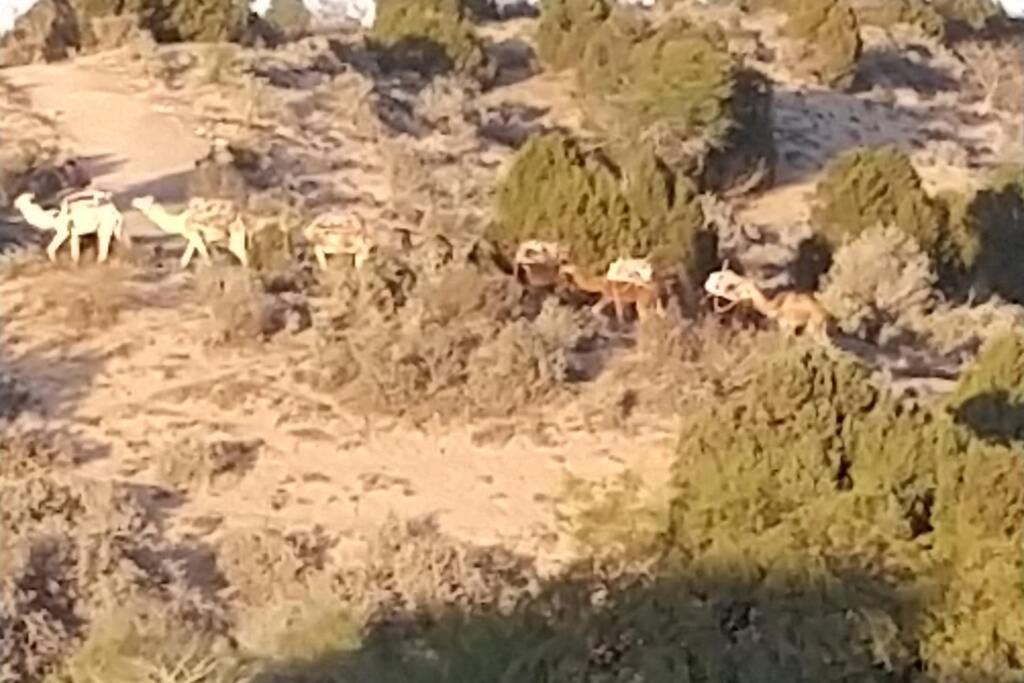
<point x="459" y="344"/>
<point x="816" y="525"/>
<point x="241" y="309"/>
<point x="879" y="281"/>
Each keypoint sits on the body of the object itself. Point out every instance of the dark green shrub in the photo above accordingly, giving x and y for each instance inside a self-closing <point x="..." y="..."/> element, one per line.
<point x="565" y="29"/>
<point x="207" y="20"/>
<point x="174" y="20"/>
<point x="805" y="473"/>
<point x="289" y="15"/>
<point x="866" y="187"/>
<point x="678" y="88"/>
<point x="830" y="36"/>
<point x="988" y="227"/>
<point x="429" y="36"/>
<point x="556" y="191"/>
<point x="990" y="396"/>
<point x="679" y="72"/>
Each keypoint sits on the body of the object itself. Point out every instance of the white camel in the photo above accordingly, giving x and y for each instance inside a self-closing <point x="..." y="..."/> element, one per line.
<point x="85" y="212"/>
<point x="203" y="221"/>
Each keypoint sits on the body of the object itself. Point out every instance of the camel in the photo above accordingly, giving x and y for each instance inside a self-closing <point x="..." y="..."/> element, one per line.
<point x="202" y="221"/>
<point x="80" y="213"/>
<point x="644" y="296"/>
<point x="335" y="233"/>
<point x="792" y="311"/>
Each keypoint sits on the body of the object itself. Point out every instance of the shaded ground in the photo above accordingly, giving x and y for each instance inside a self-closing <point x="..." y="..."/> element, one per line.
<point x="127" y="143"/>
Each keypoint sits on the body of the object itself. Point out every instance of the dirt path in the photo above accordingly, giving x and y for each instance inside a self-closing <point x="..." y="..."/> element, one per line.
<point x="128" y="146"/>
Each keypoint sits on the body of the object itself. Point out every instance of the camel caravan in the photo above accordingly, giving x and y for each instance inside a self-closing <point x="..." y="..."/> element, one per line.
<point x="205" y="223"/>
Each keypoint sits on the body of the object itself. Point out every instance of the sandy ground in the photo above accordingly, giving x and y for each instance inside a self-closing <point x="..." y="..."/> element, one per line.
<point x="148" y="388"/>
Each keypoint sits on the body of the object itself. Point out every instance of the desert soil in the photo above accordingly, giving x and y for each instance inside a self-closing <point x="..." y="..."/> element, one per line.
<point x="133" y="392"/>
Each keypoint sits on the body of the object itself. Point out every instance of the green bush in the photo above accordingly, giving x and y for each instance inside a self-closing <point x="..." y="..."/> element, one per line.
<point x="175" y="20"/>
<point x="990" y="396"/>
<point x="988" y="227"/>
<point x="207" y="20"/>
<point x="805" y="473"/>
<point x="830" y="36"/>
<point x="866" y="187"/>
<point x="289" y="15"/>
<point x="678" y="88"/>
<point x="565" y="29"/>
<point x="430" y="36"/>
<point x="556" y="191"/>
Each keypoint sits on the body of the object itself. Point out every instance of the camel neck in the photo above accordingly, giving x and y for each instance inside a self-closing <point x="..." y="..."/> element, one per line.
<point x="37" y="216"/>
<point x="760" y="301"/>
<point x="159" y="215"/>
<point x="588" y="283"/>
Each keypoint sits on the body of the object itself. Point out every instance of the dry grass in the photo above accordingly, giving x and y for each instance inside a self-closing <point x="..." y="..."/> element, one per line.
<point x="240" y="311"/>
<point x="74" y="550"/>
<point x="265" y="566"/>
<point x="461" y="343"/>
<point x="88" y="298"/>
<point x="878" y="282"/>
<point x="194" y="464"/>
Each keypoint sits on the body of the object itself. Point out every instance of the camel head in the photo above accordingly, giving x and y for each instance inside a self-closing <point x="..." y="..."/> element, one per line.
<point x="143" y="203"/>
<point x="24" y="199"/>
<point x="727" y="285"/>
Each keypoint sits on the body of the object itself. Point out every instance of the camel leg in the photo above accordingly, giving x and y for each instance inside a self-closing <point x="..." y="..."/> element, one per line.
<point x="619" y="307"/>
<point x="187" y="256"/>
<point x="104" y="235"/>
<point x="236" y="243"/>
<point x="201" y="248"/>
<point x="58" y="239"/>
<point x="76" y="247"/>
<point x="321" y="257"/>
<point x="598" y="308"/>
<point x="641" y="310"/>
